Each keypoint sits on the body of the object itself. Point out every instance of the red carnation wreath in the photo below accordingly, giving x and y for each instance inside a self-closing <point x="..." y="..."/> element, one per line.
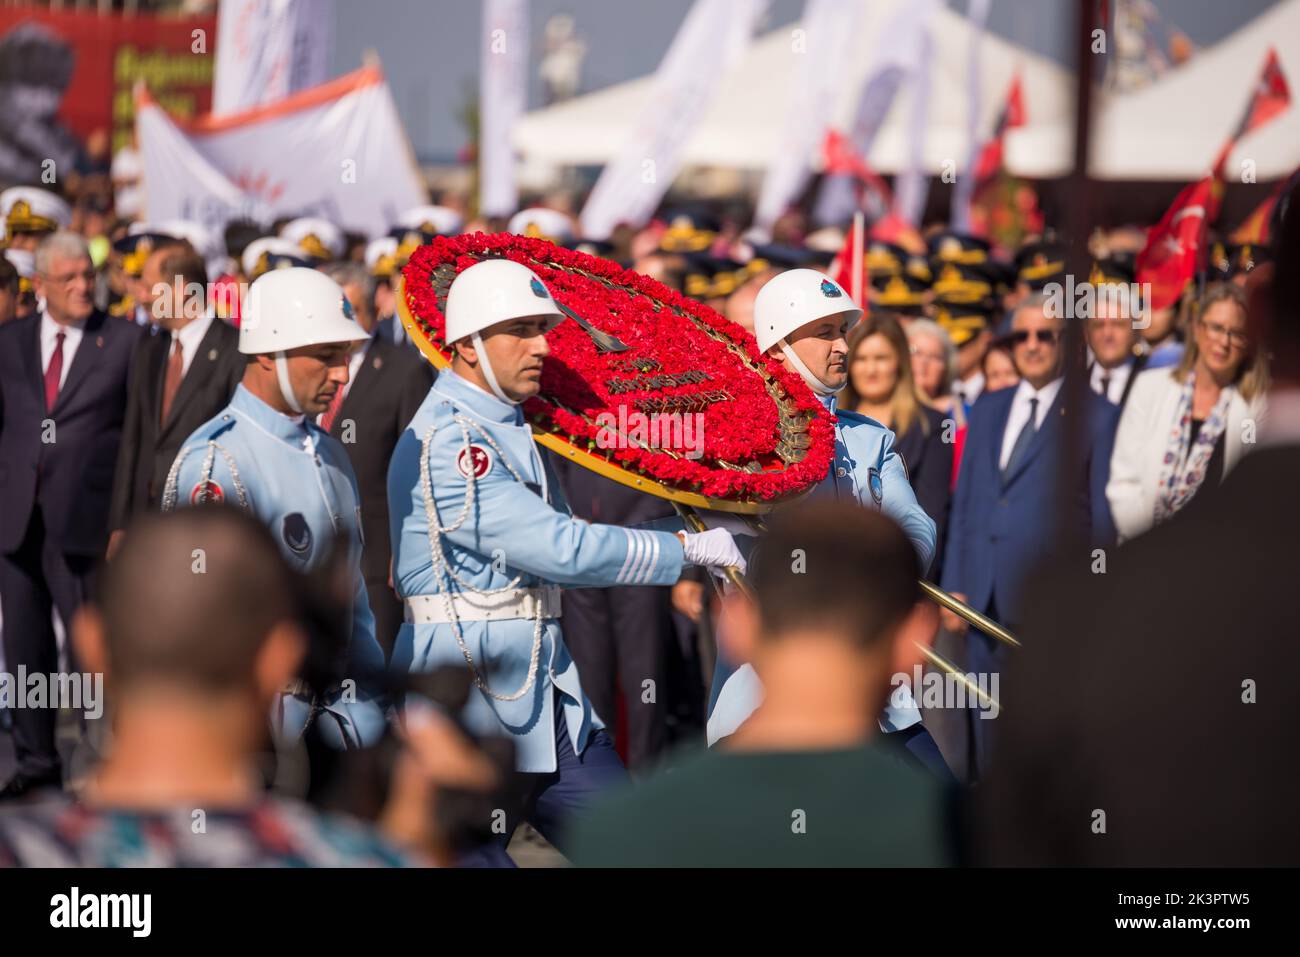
<point x="765" y="437"/>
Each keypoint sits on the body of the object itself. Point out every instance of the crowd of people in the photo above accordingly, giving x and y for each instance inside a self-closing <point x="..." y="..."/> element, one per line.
<point x="438" y="696"/>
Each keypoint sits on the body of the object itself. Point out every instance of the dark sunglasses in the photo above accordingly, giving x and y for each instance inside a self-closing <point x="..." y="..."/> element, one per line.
<point x="1021" y="336"/>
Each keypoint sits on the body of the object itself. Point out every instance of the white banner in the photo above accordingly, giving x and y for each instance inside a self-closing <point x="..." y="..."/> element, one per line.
<point x="710" y="42"/>
<point x="503" y="94"/>
<point x="336" y="151"/>
<point x="912" y="184"/>
<point x="269" y="49"/>
<point x="898" y="56"/>
<point x="977" y="11"/>
<point x="822" y="49"/>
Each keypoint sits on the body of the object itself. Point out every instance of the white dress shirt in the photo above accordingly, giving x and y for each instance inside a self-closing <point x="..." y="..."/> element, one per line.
<point x="1118" y="380"/>
<point x="1019" y="414"/>
<point x="190" y="335"/>
<point x="49" y="333"/>
<point x="354" y="366"/>
<point x="968" y="390"/>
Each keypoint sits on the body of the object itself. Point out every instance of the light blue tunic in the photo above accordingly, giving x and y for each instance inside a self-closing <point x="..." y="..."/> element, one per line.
<point x="510" y="522"/>
<point x="868" y="471"/>
<point x="298" y="481"/>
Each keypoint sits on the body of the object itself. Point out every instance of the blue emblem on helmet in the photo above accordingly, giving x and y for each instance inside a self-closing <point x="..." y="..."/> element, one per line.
<point x="877" y="485"/>
<point x="347" y="308"/>
<point x="830" y="290"/>
<point x="538" y="289"/>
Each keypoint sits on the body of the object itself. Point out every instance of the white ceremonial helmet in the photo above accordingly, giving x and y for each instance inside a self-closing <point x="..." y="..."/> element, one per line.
<point x="493" y="291"/>
<point x="288" y="308"/>
<point x="793" y="299"/>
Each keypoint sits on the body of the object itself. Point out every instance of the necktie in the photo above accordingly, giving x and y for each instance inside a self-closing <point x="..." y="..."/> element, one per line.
<point x="54" y="372"/>
<point x="172" y="378"/>
<point x="327" y="417"/>
<point x="1105" y="385"/>
<point x="1023" y="439"/>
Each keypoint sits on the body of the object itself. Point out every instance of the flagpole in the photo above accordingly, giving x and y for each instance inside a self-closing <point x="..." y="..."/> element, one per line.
<point x="855" y="277"/>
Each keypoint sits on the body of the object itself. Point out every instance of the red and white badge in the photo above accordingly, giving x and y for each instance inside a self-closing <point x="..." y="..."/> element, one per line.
<point x="475" y="458"/>
<point x="207" y="493"/>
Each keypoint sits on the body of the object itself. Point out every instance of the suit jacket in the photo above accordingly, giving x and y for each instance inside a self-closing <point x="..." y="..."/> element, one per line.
<point x="999" y="530"/>
<point x="929" y="468"/>
<point x="148" y="446"/>
<point x="1140" y="444"/>
<point x="70" y="477"/>
<point x="390" y="385"/>
<point x="1133" y="695"/>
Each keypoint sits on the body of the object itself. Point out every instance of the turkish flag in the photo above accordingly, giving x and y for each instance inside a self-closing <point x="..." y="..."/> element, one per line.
<point x="1270" y="97"/>
<point x="1169" y="259"/>
<point x="1012" y="115"/>
<point x="838" y="157"/>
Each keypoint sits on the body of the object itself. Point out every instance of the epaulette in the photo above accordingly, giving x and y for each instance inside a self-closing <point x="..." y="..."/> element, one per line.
<point x="857" y="418"/>
<point x="206" y="490"/>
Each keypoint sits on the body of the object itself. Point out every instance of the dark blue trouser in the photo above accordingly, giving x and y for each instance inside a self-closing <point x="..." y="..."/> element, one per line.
<point x="555" y="797"/>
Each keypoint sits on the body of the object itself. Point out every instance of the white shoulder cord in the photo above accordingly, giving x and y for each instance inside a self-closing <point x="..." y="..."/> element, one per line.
<point x="170" y="494"/>
<point x="443" y="570"/>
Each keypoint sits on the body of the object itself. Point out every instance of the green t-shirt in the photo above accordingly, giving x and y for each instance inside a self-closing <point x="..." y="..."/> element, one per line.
<point x="856" y="807"/>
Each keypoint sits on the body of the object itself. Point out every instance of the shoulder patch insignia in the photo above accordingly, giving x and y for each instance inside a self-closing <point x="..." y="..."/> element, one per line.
<point x="207" y="493"/>
<point x="877" y="486"/>
<point x="296" y="533"/>
<point x="475" y="459"/>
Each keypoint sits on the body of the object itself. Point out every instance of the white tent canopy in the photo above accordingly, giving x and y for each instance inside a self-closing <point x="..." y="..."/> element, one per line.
<point x="742" y="128"/>
<point x="1169" y="131"/>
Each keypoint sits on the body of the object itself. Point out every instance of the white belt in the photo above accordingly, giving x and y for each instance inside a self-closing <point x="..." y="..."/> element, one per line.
<point x="517" y="603"/>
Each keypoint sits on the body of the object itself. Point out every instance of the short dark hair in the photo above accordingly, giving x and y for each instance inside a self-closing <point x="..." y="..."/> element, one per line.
<point x="842" y="569"/>
<point x="182" y="260"/>
<point x="191" y="596"/>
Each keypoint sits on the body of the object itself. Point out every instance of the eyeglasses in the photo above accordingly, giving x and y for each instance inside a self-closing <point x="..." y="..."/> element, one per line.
<point x="927" y="356"/>
<point x="1219" y="331"/>
<point x="1021" y="336"/>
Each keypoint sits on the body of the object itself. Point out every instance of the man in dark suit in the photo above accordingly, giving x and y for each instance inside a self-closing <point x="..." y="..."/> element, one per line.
<point x="63" y="375"/>
<point x="1152" y="718"/>
<point x="180" y="378"/>
<point x="622" y="637"/>
<point x="1005" y="518"/>
<point x="1112" y="332"/>
<point x="387" y="382"/>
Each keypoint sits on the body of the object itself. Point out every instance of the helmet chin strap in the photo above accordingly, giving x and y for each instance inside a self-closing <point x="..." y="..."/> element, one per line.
<point x="487" y="371"/>
<point x="814" y="383"/>
<point x="286" y="389"/>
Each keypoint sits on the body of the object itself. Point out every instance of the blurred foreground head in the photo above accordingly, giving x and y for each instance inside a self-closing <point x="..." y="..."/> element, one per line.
<point x="197" y="602"/>
<point x="837" y="601"/>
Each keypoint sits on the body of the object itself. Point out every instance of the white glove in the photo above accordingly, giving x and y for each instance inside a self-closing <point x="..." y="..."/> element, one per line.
<point x="714" y="548"/>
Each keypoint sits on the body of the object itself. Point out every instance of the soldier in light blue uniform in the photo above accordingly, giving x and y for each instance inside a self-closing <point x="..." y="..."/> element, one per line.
<point x="483" y="541"/>
<point x="801" y="317"/>
<point x="265" y="453"/>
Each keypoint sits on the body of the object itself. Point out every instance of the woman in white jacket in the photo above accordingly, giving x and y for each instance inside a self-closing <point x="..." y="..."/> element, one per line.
<point x="1189" y="425"/>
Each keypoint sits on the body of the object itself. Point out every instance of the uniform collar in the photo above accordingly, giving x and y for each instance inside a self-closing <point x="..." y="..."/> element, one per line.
<point x="480" y="404"/>
<point x="288" y="428"/>
<point x="828" y="401"/>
